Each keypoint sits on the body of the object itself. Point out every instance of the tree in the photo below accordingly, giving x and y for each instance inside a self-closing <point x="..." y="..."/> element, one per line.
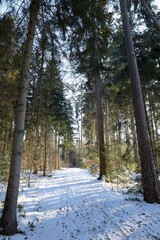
<point x="149" y="179"/>
<point x="100" y="124"/>
<point x="150" y="14"/>
<point x="87" y="45"/>
<point x="9" y="72"/>
<point x="89" y="125"/>
<point x="9" y="217"/>
<point x="147" y="11"/>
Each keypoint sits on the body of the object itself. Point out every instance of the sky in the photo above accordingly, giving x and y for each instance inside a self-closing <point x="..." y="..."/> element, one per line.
<point x="157" y="2"/>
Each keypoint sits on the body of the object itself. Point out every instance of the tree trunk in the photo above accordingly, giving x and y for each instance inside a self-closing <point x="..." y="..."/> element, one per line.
<point x="152" y="134"/>
<point x="45" y="139"/>
<point x="151" y="121"/>
<point x="58" y="164"/>
<point x="79" y="141"/>
<point x="55" y="152"/>
<point x="36" y="151"/>
<point x="99" y="112"/>
<point x="150" y="14"/>
<point x="135" y="145"/>
<point x="100" y="127"/>
<point x="107" y="138"/>
<point x="156" y="125"/>
<point x="37" y="140"/>
<point x="149" y="180"/>
<point x="81" y="132"/>
<point x="9" y="217"/>
<point x="119" y="141"/>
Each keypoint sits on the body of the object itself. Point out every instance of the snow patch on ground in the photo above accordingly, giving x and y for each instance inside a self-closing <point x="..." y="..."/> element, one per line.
<point x="73" y="204"/>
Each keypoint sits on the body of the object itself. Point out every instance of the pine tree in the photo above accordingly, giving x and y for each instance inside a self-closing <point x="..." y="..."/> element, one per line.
<point x="149" y="180"/>
<point x="9" y="217"/>
<point x="146" y="9"/>
<point x="88" y="42"/>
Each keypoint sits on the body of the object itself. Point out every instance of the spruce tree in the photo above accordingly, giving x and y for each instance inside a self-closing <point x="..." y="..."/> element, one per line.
<point x="149" y="180"/>
<point x="9" y="216"/>
<point x="88" y="42"/>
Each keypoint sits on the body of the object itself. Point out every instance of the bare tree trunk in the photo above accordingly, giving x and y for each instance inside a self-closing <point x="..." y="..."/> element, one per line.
<point x="37" y="140"/>
<point x="149" y="180"/>
<point x="100" y="126"/>
<point x="9" y="216"/>
<point x="45" y="139"/>
<point x="99" y="115"/>
<point x="119" y="141"/>
<point x="157" y="139"/>
<point x="58" y="152"/>
<point x="36" y="151"/>
<point x="152" y="134"/>
<point x="156" y="126"/>
<point x="81" y="132"/>
<point x="55" y="152"/>
<point x="150" y="120"/>
<point x="79" y="142"/>
<point x="66" y="157"/>
<point x="135" y="145"/>
<point x="107" y="137"/>
<point x="150" y="14"/>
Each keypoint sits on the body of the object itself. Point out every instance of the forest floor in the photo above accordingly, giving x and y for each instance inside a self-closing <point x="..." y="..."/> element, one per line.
<point x="72" y="204"/>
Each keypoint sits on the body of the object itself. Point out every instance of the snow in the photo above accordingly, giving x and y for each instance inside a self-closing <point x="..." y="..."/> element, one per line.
<point x="73" y="204"/>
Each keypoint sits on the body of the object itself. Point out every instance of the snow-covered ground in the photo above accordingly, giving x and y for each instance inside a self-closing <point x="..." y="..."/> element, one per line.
<point x="74" y="205"/>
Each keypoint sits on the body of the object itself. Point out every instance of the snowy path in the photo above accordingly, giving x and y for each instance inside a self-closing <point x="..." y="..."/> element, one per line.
<point x="74" y="205"/>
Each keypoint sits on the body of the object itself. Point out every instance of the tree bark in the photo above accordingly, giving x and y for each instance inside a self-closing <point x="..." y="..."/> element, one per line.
<point x="58" y="164"/>
<point x="55" y="152"/>
<point x="149" y="180"/>
<point x="107" y="138"/>
<point x="135" y="145"/>
<point x="119" y="141"/>
<point x="150" y="14"/>
<point x="100" y="126"/>
<point x="45" y="139"/>
<point x="156" y="125"/>
<point x="9" y="217"/>
<point x="37" y="137"/>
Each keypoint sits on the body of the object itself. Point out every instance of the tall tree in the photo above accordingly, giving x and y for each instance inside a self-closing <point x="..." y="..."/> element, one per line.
<point x="150" y="14"/>
<point x="87" y="45"/>
<point x="98" y="91"/>
<point x="146" y="9"/>
<point x="149" y="179"/>
<point x="9" y="73"/>
<point x="9" y="216"/>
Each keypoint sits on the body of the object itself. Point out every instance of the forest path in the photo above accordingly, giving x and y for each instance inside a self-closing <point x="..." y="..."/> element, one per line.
<point x="74" y="205"/>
